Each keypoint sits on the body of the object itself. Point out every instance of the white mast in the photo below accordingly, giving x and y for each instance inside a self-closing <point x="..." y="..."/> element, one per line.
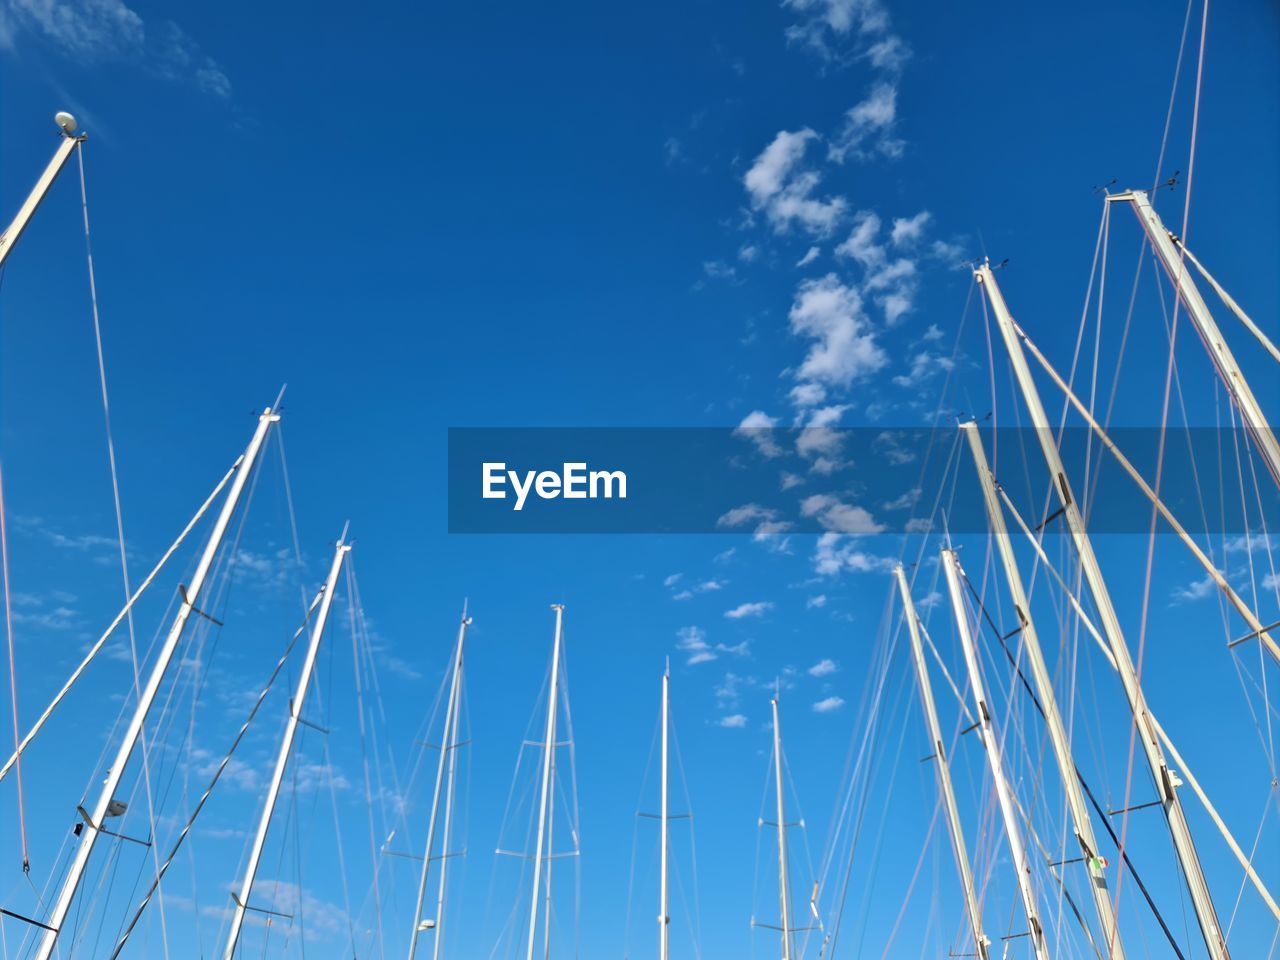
<point x="548" y="755"/>
<point x="286" y="744"/>
<point x="784" y="883"/>
<point x="448" y="745"/>
<point x="664" y="916"/>
<point x="9" y="239"/>
<point x="1163" y="243"/>
<point x="1013" y="829"/>
<point x="1163" y="778"/>
<point x="1048" y="700"/>
<point x="944" y="769"/>
<point x="93" y="824"/>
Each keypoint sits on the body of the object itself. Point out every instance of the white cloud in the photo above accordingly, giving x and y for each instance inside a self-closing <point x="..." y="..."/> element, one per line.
<point x="839" y="517"/>
<point x="826" y="22"/>
<point x="829" y="705"/>
<point x="907" y="231"/>
<point x="682" y="595"/>
<point x="808" y="394"/>
<point x="747" y="513"/>
<point x="1271" y="581"/>
<point x="742" y="610"/>
<point x="734" y="721"/>
<point x="923" y="366"/>
<point x="693" y="642"/>
<point x="823" y="668"/>
<point x="892" y="280"/>
<point x="749" y="253"/>
<point x="834" y="554"/>
<point x="672" y="580"/>
<point x="790" y="480"/>
<point x="718" y="270"/>
<point x="814" y="603"/>
<point x="780" y="188"/>
<point x="869" y="127"/>
<point x="1197" y="590"/>
<point x="757" y="426"/>
<point x="908" y="499"/>
<point x="811" y="255"/>
<point x="844" y="347"/>
<point x="107" y="31"/>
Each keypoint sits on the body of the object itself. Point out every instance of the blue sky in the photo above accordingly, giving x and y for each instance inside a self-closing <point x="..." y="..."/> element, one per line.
<point x="589" y="215"/>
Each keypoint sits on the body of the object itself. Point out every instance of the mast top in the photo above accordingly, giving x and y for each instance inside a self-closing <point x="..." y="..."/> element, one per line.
<point x="66" y="123"/>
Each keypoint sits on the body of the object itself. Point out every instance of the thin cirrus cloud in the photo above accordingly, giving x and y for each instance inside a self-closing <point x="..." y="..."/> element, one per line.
<point x="692" y="642"/>
<point x="110" y="31"/>
<point x="734" y="721"/>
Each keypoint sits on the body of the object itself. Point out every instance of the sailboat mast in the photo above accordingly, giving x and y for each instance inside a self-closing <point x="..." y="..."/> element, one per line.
<point x="89" y="835"/>
<point x="784" y="883"/>
<point x="1048" y="699"/>
<point x="1224" y="360"/>
<point x="944" y="769"/>
<point x="1165" y="785"/>
<point x="1013" y="829"/>
<point x="548" y="755"/>
<point x="664" y="918"/>
<point x="446" y="838"/>
<point x="286" y="745"/>
<point x="448" y="745"/>
<point x="69" y="141"/>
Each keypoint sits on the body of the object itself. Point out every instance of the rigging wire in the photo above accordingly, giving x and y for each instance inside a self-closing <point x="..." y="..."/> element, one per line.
<point x="1151" y="540"/>
<point x="13" y="676"/>
<point x="119" y="514"/>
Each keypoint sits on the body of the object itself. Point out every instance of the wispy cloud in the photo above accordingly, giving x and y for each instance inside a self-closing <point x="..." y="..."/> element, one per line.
<point x="844" y="348"/>
<point x="869" y="127"/>
<point x="835" y="553"/>
<point x="109" y="31"/>
<point x="742" y="610"/>
<point x="734" y="721"/>
<point x="823" y="668"/>
<point x="828" y="705"/>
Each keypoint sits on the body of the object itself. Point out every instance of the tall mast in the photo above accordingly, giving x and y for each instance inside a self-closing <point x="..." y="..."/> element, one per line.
<point x="784" y="883"/>
<point x="944" y="769"/>
<point x="1166" y="250"/>
<point x="1162" y="777"/>
<point x="190" y="596"/>
<point x="286" y="744"/>
<point x="664" y="917"/>
<point x="448" y="746"/>
<point x="548" y="755"/>
<point x="1013" y="829"/>
<point x="1081" y="821"/>
<point x="9" y="239"/>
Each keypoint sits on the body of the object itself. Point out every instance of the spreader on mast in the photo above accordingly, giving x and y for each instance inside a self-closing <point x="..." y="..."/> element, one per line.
<point x="1163" y="778"/>
<point x="1080" y="819"/>
<point x="1162" y="242"/>
<point x="986" y="730"/>
<point x="943" y="765"/>
<point x="286" y="745"/>
<point x="190" y="596"/>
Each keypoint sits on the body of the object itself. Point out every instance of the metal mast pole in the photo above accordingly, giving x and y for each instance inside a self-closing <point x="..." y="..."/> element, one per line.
<point x="9" y="239"/>
<point x="446" y="839"/>
<point x="1163" y="243"/>
<point x="784" y="883"/>
<point x="548" y="753"/>
<point x="1048" y="699"/>
<point x="89" y="835"/>
<point x="1013" y="829"/>
<point x="664" y="918"/>
<point x="286" y="745"/>
<point x="447" y="744"/>
<point x="944" y="769"/>
<point x="1166" y="788"/>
